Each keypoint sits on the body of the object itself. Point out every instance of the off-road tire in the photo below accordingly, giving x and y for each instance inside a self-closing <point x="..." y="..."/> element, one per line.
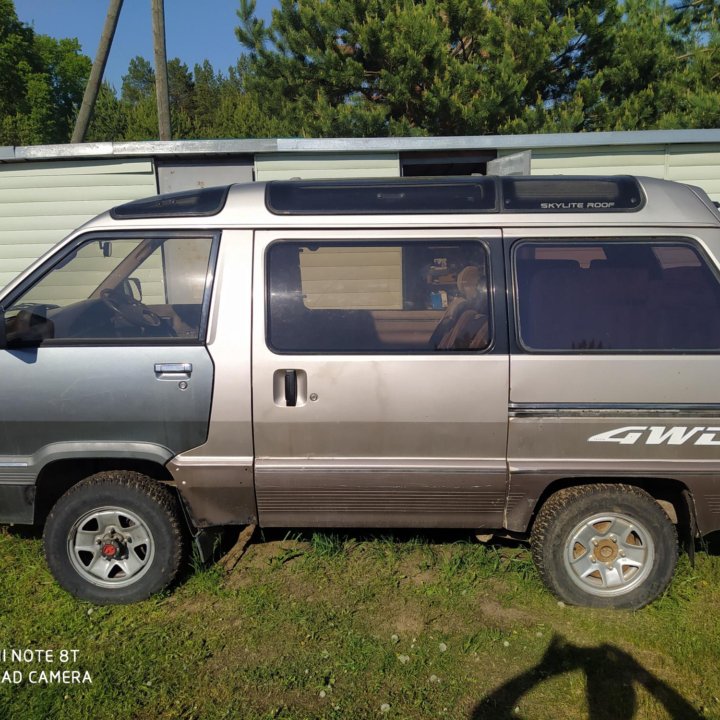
<point x="113" y="497"/>
<point x="573" y="518"/>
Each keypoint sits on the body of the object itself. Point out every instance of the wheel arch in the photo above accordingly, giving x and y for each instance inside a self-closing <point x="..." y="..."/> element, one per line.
<point x="58" y="476"/>
<point x="671" y="494"/>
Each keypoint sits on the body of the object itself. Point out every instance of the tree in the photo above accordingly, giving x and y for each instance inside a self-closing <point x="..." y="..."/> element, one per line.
<point x="139" y="81"/>
<point x="109" y="120"/>
<point x="41" y="82"/>
<point x="449" y="67"/>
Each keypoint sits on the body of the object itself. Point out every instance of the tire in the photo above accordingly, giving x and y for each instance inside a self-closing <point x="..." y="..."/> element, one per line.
<point x="607" y="546"/>
<point x="114" y="538"/>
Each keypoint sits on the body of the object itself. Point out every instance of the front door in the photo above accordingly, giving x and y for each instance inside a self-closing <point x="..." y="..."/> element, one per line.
<point x="105" y="354"/>
<point x="380" y="379"/>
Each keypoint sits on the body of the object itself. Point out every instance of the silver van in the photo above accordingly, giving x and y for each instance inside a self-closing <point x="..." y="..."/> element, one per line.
<point x="524" y="356"/>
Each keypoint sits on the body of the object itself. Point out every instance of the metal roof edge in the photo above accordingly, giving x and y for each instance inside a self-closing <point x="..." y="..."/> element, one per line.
<point x="500" y="142"/>
<point x="158" y="148"/>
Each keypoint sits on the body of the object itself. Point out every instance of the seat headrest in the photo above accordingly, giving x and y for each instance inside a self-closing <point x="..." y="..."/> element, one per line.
<point x="470" y="281"/>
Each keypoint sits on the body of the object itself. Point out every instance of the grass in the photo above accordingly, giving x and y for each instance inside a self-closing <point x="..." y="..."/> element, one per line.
<point x="346" y="626"/>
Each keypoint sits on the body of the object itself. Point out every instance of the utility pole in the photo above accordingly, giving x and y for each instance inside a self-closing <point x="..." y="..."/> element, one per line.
<point x="96" y="74"/>
<point x="161" y="73"/>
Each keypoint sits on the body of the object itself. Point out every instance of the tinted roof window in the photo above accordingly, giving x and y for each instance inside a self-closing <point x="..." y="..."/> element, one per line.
<point x="571" y="194"/>
<point x="192" y="203"/>
<point x="387" y="197"/>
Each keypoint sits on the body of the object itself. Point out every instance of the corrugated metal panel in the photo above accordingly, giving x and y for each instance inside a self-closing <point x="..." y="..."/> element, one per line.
<point x="41" y="202"/>
<point x="176" y="175"/>
<point x="284" y="166"/>
<point x="352" y="278"/>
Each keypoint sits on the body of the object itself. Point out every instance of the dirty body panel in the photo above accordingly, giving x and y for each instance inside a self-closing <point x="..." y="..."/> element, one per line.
<point x="636" y="398"/>
<point x="378" y="425"/>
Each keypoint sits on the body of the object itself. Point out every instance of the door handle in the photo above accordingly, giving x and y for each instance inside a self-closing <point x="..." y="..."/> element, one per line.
<point x="172" y="371"/>
<point x="291" y="388"/>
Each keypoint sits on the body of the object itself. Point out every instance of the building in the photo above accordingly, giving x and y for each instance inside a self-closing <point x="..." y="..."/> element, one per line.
<point x="47" y="191"/>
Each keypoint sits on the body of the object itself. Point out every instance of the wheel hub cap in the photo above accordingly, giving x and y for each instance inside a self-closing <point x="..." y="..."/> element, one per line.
<point x="606" y="551"/>
<point x="609" y="554"/>
<point x="111" y="547"/>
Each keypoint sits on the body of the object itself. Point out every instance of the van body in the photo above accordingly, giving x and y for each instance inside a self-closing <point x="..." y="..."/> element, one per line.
<point x="533" y="357"/>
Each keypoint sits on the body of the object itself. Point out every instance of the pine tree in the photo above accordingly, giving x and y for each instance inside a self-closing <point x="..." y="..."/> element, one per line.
<point x="456" y="67"/>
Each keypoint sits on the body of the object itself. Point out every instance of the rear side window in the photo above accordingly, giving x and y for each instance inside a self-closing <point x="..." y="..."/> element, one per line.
<point x="378" y="297"/>
<point x="580" y="296"/>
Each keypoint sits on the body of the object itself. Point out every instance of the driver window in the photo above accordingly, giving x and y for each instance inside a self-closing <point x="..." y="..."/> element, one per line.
<point x="116" y="289"/>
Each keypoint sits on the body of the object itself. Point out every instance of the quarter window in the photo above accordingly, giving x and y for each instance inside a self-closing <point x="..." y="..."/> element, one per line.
<point x="614" y="296"/>
<point x="410" y="296"/>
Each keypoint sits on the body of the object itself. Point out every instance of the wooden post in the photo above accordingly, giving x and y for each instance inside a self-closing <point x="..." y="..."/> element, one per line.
<point x="96" y="74"/>
<point x="161" y="73"/>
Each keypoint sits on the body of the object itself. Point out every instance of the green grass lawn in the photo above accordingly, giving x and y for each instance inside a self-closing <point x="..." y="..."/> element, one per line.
<point x="329" y="626"/>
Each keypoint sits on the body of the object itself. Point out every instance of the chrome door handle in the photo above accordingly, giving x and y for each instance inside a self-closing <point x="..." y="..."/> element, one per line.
<point x="173" y="368"/>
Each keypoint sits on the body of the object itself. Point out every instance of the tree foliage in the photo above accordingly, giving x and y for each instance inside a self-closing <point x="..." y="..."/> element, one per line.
<point x="42" y="81"/>
<point x="455" y="67"/>
<point x="325" y="68"/>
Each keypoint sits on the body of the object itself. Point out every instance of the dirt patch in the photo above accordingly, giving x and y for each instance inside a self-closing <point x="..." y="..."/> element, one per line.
<point x="264" y="557"/>
<point x="503" y="618"/>
<point x="401" y="617"/>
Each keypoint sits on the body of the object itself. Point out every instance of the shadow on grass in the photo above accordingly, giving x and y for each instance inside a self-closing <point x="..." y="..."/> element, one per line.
<point x="24" y="532"/>
<point x="612" y="680"/>
<point x="711" y="543"/>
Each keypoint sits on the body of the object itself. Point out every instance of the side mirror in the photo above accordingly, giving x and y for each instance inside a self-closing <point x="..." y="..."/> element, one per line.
<point x="26" y="329"/>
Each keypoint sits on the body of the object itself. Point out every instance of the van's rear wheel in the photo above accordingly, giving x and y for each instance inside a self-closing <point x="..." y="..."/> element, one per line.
<point x="604" y="546"/>
<point x="114" y="538"/>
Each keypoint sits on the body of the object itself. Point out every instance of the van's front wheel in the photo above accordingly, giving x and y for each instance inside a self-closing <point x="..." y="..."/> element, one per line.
<point x="604" y="546"/>
<point x="114" y="538"/>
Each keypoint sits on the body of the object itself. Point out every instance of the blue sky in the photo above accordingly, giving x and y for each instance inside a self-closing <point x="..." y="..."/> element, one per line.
<point x="195" y="30"/>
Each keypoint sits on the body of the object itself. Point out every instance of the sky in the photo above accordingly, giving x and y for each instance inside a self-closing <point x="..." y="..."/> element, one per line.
<point x="195" y="30"/>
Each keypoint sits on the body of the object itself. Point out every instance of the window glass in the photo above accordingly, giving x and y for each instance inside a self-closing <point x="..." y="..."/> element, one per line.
<point x="621" y="295"/>
<point x="378" y="297"/>
<point x="117" y="289"/>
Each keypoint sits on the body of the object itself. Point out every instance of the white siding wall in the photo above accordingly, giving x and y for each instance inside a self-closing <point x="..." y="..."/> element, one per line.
<point x="284" y="166"/>
<point x="41" y="202"/>
<point x="352" y="278"/>
<point x="694" y="164"/>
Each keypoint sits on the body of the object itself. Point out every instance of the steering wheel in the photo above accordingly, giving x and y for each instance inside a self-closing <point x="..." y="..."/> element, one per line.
<point x="129" y="309"/>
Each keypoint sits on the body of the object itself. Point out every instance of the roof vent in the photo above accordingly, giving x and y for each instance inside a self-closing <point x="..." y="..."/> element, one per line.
<point x="191" y="203"/>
